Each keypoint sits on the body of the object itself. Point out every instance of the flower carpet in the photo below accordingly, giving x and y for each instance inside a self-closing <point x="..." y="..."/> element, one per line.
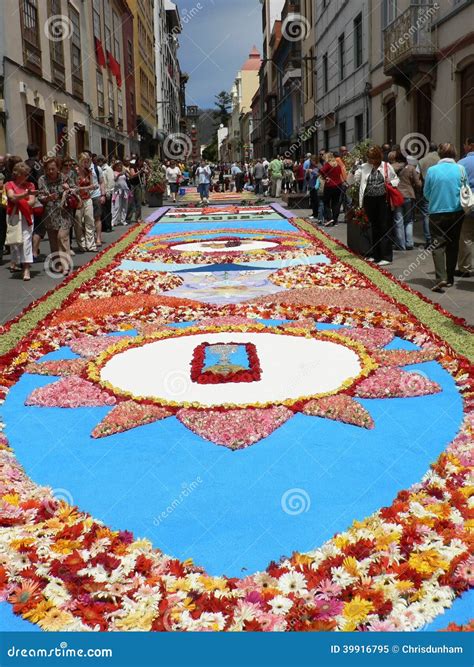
<point x="228" y="422"/>
<point x="192" y="196"/>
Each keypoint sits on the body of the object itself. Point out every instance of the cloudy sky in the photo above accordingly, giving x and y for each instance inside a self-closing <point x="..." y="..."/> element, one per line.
<point x="216" y="39"/>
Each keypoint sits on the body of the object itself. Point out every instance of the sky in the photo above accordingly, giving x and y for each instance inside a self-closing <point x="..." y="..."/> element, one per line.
<point x="216" y="40"/>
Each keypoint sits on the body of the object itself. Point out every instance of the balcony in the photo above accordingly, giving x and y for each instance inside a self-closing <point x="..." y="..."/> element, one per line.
<point x="410" y="43"/>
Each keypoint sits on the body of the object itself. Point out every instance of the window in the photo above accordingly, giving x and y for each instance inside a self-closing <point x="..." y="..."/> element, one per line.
<point x="96" y="19"/>
<point x="342" y="134"/>
<point x="358" y="41"/>
<point x="129" y="56"/>
<point x="389" y="12"/>
<point x="30" y="35"/>
<point x="119" y="109"/>
<point x="56" y="49"/>
<point x="100" y="92"/>
<point x="359" y="127"/>
<point x="111" y="109"/>
<point x="76" y="56"/>
<point x="325" y="73"/>
<point x="390" y="113"/>
<point x="326" y="140"/>
<point x="117" y="33"/>
<point x="342" y="57"/>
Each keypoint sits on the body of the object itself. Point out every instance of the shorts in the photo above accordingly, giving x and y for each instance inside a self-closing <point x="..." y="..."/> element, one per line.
<point x="173" y="187"/>
<point x="39" y="228"/>
<point x="96" y="207"/>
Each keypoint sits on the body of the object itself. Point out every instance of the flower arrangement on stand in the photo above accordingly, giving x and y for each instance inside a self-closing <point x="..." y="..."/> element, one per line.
<point x="156" y="183"/>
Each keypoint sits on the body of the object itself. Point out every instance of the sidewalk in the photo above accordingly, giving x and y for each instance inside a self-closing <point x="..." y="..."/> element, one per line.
<point x="415" y="267"/>
<point x="15" y="294"/>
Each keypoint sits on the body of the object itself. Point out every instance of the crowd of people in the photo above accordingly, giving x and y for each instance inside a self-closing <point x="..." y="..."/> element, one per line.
<point x="64" y="199"/>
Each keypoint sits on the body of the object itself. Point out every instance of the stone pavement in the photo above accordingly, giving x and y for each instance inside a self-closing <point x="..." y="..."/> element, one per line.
<point x="414" y="266"/>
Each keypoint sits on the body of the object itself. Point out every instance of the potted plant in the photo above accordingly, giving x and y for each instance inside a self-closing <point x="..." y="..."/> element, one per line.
<point x="156" y="183"/>
<point x="359" y="233"/>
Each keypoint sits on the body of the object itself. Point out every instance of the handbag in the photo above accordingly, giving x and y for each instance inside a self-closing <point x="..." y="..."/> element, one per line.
<point x="14" y="229"/>
<point x="466" y="194"/>
<point x="394" y="196"/>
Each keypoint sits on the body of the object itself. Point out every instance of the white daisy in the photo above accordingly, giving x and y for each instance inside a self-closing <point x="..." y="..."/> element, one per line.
<point x="280" y="604"/>
<point x="292" y="582"/>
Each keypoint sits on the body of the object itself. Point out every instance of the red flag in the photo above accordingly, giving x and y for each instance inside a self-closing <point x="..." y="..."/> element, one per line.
<point x="114" y="67"/>
<point x="99" y="52"/>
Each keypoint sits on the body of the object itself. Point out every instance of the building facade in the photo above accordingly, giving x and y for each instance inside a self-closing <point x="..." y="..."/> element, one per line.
<point x="63" y="67"/>
<point x="422" y="72"/>
<point x="241" y="118"/>
<point x="168" y="72"/>
<point x="342" y="63"/>
<point x="145" y="76"/>
<point x="44" y="77"/>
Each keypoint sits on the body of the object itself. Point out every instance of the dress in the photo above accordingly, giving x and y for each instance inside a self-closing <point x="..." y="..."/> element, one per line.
<point x="55" y="216"/>
<point x="22" y="253"/>
<point x="120" y="199"/>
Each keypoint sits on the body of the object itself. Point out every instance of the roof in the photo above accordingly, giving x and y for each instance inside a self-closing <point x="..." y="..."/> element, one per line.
<point x="253" y="62"/>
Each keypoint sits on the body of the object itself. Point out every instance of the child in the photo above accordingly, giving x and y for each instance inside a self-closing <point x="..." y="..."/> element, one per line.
<point x="265" y="185"/>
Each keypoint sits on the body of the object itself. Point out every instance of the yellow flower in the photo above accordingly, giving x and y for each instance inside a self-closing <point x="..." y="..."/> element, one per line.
<point x="213" y="583"/>
<point x="302" y="559"/>
<point x="350" y="564"/>
<point x="22" y="542"/>
<point x="181" y="584"/>
<point x="384" y="541"/>
<point x="404" y="585"/>
<point x="467" y="491"/>
<point x="357" y="610"/>
<point x="136" y="620"/>
<point x="189" y="605"/>
<point x="55" y="619"/>
<point x="35" y="615"/>
<point x="341" y="541"/>
<point x="65" y="547"/>
<point x="11" y="498"/>
<point x="427" y="562"/>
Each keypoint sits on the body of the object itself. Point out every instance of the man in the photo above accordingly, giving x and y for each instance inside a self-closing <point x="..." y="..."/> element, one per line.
<point x="386" y="149"/>
<point x="203" y="179"/>
<point x="36" y="168"/>
<point x="430" y="159"/>
<point x="442" y="188"/>
<point x="275" y="170"/>
<point x="98" y="197"/>
<point x="109" y="184"/>
<point x="307" y="167"/>
<point x="258" y="174"/>
<point x="467" y="232"/>
<point x="238" y="177"/>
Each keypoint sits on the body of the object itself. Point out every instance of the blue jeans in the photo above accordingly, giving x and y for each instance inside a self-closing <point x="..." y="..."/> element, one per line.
<point x="203" y="189"/>
<point x="403" y="224"/>
<point x="423" y="208"/>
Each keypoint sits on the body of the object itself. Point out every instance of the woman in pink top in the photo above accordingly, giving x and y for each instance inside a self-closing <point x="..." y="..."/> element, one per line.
<point x="331" y="172"/>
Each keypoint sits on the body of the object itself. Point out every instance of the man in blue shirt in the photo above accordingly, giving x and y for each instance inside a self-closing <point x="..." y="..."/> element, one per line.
<point x="238" y="176"/>
<point x="467" y="232"/>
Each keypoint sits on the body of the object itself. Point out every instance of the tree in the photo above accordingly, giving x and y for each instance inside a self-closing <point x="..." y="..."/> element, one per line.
<point x="223" y="104"/>
<point x="211" y="153"/>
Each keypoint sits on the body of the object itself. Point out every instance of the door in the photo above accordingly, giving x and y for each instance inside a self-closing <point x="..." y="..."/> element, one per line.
<point x="391" y="121"/>
<point x="35" y="127"/>
<point x="423" y="111"/>
<point x="467" y="104"/>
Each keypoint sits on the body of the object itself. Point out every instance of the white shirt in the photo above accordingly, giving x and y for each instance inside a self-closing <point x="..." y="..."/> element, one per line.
<point x="362" y="174"/>
<point x="203" y="174"/>
<point x="172" y="174"/>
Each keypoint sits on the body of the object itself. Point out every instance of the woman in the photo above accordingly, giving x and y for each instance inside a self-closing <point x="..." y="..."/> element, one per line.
<point x="300" y="174"/>
<point x="120" y="195"/>
<point x="443" y="192"/>
<point x="20" y="200"/>
<point x="331" y="172"/>
<point x="84" y="224"/>
<point x="57" y="219"/>
<point x="371" y="178"/>
<point x="288" y="176"/>
<point x="409" y="186"/>
<point x="314" y="184"/>
<point x="173" y="175"/>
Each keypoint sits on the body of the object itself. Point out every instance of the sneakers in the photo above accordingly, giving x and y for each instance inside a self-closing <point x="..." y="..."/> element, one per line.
<point x="383" y="262"/>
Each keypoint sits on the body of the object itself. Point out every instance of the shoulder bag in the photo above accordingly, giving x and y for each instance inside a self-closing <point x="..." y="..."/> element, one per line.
<point x="394" y="196"/>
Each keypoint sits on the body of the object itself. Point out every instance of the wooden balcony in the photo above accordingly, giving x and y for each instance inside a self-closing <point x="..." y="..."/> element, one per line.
<point x="410" y="43"/>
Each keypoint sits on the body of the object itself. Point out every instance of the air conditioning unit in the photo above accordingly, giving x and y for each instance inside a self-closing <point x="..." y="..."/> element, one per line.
<point x="23" y="88"/>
